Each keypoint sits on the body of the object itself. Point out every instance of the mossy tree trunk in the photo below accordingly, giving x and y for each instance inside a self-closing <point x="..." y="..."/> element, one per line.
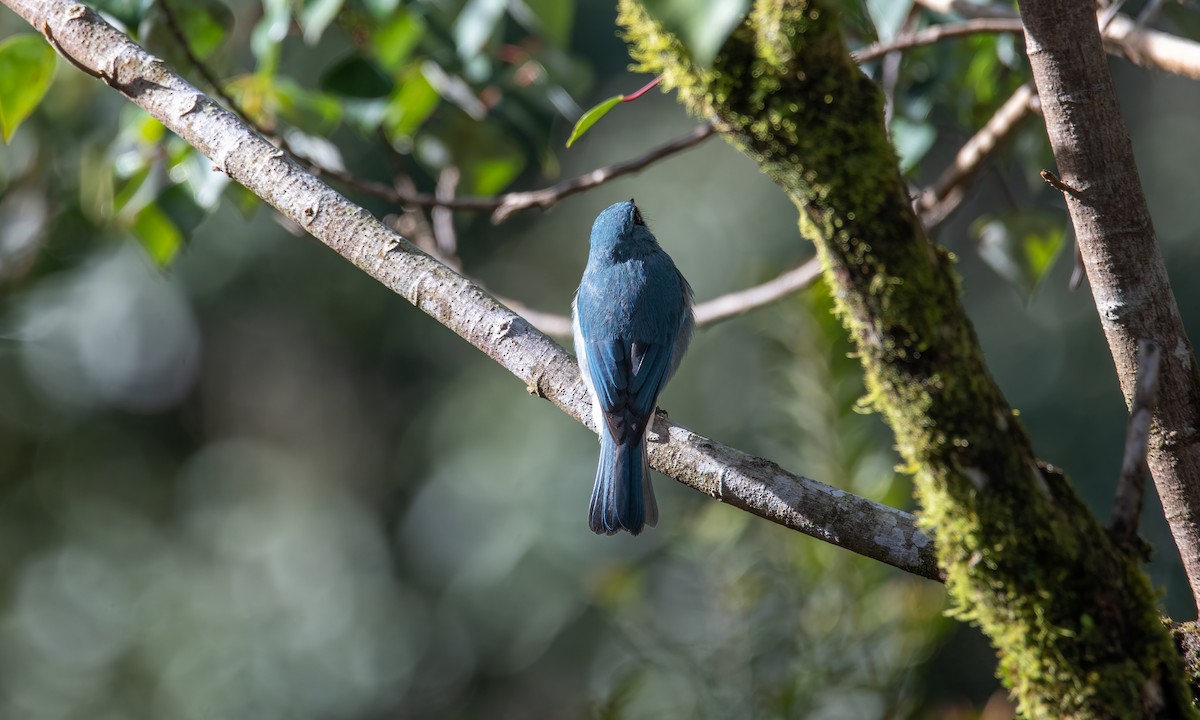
<point x="1073" y="618"/>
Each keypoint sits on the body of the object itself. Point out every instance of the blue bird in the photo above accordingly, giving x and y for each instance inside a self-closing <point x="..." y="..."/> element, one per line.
<point x="632" y="320"/>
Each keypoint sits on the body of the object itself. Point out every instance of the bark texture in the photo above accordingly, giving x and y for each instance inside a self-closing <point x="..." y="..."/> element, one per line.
<point x="747" y="482"/>
<point x="1074" y="620"/>
<point x="1120" y="253"/>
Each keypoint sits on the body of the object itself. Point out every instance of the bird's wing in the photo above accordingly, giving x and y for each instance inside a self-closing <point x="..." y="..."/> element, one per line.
<point x="627" y="378"/>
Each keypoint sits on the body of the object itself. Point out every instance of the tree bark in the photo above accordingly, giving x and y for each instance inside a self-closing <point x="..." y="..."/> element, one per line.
<point x="1074" y="619"/>
<point x="1116" y="238"/>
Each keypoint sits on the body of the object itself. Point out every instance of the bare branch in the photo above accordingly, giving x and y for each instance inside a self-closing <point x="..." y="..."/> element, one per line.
<point x="937" y="33"/>
<point x="1122" y="36"/>
<point x="707" y="313"/>
<point x="1127" y="505"/>
<point x="750" y="483"/>
<point x="514" y="202"/>
<point x="1116" y="237"/>
<point x="937" y="202"/>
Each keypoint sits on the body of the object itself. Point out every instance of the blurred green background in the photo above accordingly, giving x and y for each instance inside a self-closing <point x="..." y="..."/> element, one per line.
<point x="239" y="479"/>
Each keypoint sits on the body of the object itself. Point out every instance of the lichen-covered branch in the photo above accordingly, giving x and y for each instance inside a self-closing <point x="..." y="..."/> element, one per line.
<point x="753" y="484"/>
<point x="1073" y="618"/>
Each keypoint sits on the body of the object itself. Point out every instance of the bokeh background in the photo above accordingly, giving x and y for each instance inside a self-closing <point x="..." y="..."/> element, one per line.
<point x="239" y="479"/>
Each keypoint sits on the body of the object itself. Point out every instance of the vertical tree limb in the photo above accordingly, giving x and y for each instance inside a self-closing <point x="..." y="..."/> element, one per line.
<point x="1116" y="238"/>
<point x="1073" y="618"/>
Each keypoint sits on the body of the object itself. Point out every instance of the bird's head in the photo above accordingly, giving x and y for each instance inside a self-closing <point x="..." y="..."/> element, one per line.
<point x="619" y="224"/>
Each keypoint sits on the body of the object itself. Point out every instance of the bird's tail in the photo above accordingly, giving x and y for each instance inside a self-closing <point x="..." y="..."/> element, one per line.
<point x="622" y="498"/>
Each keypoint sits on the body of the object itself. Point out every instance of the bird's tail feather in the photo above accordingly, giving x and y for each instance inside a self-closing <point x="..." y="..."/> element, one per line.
<point x="622" y="498"/>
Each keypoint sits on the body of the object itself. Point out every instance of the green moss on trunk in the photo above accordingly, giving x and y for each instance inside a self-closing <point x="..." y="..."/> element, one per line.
<point x="1074" y="619"/>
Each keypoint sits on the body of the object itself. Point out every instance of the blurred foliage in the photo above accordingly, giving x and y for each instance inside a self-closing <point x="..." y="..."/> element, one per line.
<point x="239" y="479"/>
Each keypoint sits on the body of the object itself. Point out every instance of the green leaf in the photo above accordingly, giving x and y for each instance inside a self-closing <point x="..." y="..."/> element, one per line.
<point x="393" y="41"/>
<point x="355" y="76"/>
<point x="589" y="118"/>
<point x="702" y="26"/>
<point x="157" y="234"/>
<point x="26" y="67"/>
<point x="410" y="106"/>
<point x="1021" y="248"/>
<point x="316" y="16"/>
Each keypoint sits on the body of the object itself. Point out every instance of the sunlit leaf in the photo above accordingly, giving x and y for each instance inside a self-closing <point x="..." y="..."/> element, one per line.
<point x="393" y="41"/>
<point x="313" y="111"/>
<point x="246" y="202"/>
<point x="589" y="118"/>
<point x="316" y="16"/>
<point x="355" y="76"/>
<point x="1021" y="248"/>
<point x="26" y="67"/>
<point x="410" y="105"/>
<point x="702" y="26"/>
<point x="157" y="234"/>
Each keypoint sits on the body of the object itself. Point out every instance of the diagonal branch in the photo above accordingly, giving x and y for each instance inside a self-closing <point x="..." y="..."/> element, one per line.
<point x="750" y="483"/>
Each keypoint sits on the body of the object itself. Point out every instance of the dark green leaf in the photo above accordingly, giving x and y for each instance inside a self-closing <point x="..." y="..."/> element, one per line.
<point x="129" y="12"/>
<point x="246" y="202"/>
<point x="180" y="207"/>
<point x="26" y="67"/>
<point x="589" y="118"/>
<point x="355" y="76"/>
<point x="702" y="26"/>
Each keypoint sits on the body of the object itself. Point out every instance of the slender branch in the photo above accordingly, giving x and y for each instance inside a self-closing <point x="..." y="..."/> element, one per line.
<point x="1123" y="37"/>
<point x="937" y="33"/>
<point x="750" y="483"/>
<point x="1116" y="237"/>
<point x="443" y="218"/>
<point x="707" y="313"/>
<point x="508" y="204"/>
<point x="1127" y="505"/>
<point x="937" y="202"/>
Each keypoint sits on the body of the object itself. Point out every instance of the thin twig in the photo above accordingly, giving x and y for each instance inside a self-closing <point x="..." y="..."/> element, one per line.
<point x="944" y="196"/>
<point x="1123" y="36"/>
<point x="443" y="218"/>
<point x="1127" y="505"/>
<point x="707" y="313"/>
<point x="937" y="33"/>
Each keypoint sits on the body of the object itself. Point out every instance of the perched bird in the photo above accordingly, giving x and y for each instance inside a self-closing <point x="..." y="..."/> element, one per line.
<point x="632" y="319"/>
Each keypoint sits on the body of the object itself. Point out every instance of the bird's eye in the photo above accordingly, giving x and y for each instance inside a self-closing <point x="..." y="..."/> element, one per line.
<point x="637" y="218"/>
